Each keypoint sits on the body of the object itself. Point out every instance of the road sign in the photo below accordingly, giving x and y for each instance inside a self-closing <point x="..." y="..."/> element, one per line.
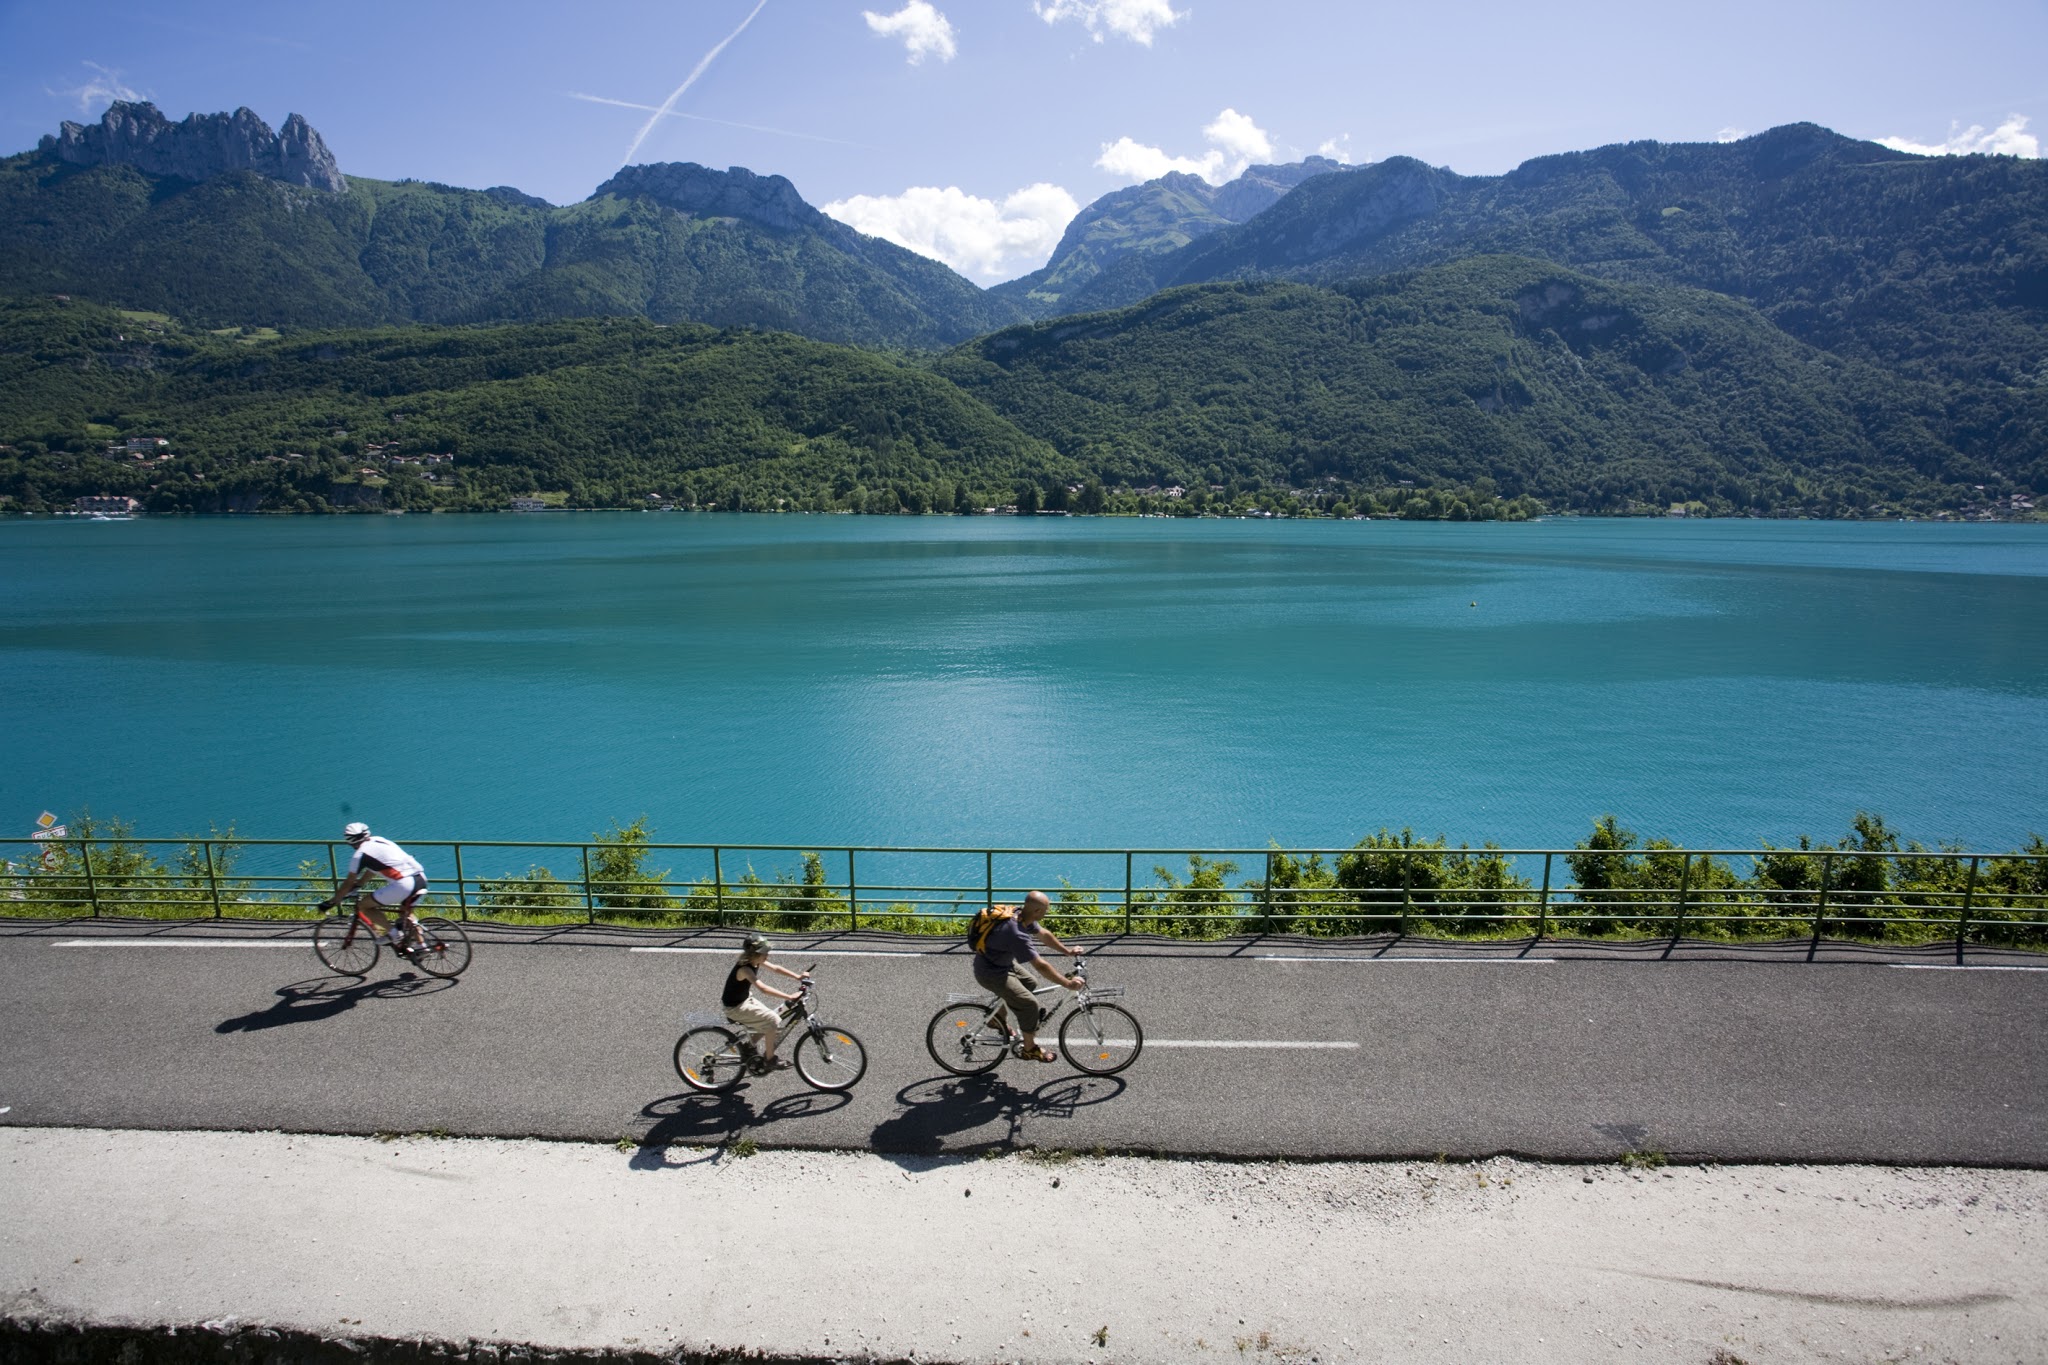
<point x="45" y="820"/>
<point x="53" y="832"/>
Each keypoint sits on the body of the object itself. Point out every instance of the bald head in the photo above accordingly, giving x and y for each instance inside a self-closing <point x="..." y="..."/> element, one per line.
<point x="1036" y="904"/>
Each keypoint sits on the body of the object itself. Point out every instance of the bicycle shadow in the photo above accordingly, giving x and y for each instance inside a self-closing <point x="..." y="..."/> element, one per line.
<point x="694" y="1120"/>
<point x="309" y="1002"/>
<point x="940" y="1114"/>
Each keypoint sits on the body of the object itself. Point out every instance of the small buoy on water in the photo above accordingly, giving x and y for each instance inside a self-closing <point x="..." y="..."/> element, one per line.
<point x="1475" y="604"/>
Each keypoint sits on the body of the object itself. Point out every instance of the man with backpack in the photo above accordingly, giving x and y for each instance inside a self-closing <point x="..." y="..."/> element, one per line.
<point x="1002" y="937"/>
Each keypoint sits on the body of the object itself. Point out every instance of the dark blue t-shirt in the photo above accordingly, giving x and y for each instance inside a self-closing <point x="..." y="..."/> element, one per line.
<point x="1008" y="943"/>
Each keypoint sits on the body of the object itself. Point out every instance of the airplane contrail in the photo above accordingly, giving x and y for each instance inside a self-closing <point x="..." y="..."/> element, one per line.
<point x="706" y="118"/>
<point x="688" y="81"/>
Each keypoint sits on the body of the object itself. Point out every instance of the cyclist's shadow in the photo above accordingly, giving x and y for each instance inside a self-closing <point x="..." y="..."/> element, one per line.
<point x="693" y="1120"/>
<point x="936" y="1115"/>
<point x="308" y="1002"/>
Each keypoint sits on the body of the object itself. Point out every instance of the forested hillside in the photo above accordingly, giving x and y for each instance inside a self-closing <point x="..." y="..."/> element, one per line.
<point x="1936" y="263"/>
<point x="595" y="412"/>
<point x="239" y="249"/>
<point x="1501" y="373"/>
<point x="1796" y="323"/>
<point x="1492" y="387"/>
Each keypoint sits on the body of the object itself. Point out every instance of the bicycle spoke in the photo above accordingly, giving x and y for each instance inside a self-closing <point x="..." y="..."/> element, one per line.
<point x="1101" y="1039"/>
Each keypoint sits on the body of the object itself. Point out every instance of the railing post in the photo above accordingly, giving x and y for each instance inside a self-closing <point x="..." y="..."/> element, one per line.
<point x="1684" y="893"/>
<point x="1963" y="919"/>
<point x="1127" y="891"/>
<point x="1407" y="878"/>
<point x="92" y="891"/>
<point x="589" y="896"/>
<point x="461" y="885"/>
<point x="1266" y="897"/>
<point x="718" y="886"/>
<point x="852" y="894"/>
<point x="1543" y="905"/>
<point x="1820" y="907"/>
<point x="333" y="872"/>
<point x="212" y="881"/>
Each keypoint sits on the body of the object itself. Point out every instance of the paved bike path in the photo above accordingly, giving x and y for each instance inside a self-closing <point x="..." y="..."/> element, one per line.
<point x="1545" y="1052"/>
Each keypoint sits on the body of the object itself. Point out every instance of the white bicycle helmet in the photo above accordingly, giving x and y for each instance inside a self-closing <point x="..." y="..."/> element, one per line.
<point x="355" y="831"/>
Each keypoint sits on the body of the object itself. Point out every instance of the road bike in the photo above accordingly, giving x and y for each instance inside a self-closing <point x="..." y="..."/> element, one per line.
<point x="346" y="942"/>
<point x="714" y="1056"/>
<point x="973" y="1033"/>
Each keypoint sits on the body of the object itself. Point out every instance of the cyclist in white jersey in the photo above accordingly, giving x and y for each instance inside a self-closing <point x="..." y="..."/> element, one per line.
<point x="403" y="882"/>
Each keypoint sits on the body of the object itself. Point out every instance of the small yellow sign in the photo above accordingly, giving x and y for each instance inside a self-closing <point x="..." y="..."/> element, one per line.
<point x="45" y="820"/>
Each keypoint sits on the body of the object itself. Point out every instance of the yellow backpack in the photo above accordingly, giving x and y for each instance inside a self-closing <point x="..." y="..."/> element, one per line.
<point x="984" y="923"/>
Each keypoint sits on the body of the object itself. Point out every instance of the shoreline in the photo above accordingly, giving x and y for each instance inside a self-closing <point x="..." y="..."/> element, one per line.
<point x="7" y="514"/>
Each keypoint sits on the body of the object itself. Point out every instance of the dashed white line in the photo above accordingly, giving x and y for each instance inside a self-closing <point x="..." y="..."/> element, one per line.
<point x="798" y="952"/>
<point x="1460" y="961"/>
<point x="1952" y="967"/>
<point x="299" y="944"/>
<point x="1280" y="1044"/>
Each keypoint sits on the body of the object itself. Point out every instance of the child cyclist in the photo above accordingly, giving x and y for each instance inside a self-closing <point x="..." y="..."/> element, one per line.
<point x="741" y="1007"/>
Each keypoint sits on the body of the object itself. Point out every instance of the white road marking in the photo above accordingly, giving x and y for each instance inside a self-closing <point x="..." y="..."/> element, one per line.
<point x="1274" y="1043"/>
<point x="1952" y="967"/>
<point x="797" y="952"/>
<point x="300" y="944"/>
<point x="1478" y="961"/>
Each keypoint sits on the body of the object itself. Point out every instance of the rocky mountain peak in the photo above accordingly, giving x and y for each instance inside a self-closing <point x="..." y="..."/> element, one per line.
<point x="769" y="200"/>
<point x="198" y="147"/>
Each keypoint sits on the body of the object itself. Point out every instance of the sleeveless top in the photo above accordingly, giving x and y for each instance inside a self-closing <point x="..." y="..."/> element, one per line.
<point x="737" y="987"/>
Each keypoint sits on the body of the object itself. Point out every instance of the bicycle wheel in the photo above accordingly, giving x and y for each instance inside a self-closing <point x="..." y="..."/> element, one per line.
<point x="710" y="1059"/>
<point x="345" y="944"/>
<point x="444" y="947"/>
<point x="963" y="1041"/>
<point x="1101" y="1039"/>
<point x="831" y="1058"/>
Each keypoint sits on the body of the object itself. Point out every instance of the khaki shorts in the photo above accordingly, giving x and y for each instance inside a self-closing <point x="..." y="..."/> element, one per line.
<point x="751" y="1013"/>
<point x="1014" y="989"/>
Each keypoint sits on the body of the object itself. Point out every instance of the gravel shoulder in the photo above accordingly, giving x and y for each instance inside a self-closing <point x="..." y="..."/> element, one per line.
<point x="1028" y="1257"/>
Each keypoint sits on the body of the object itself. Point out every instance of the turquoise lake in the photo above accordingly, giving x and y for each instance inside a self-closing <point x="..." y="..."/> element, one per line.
<point x="1154" y="684"/>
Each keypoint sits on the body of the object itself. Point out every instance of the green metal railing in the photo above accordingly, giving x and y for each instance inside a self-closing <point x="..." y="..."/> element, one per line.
<point x="1916" y="895"/>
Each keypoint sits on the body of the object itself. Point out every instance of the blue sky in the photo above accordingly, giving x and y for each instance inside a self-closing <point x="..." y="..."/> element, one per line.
<point x="972" y="129"/>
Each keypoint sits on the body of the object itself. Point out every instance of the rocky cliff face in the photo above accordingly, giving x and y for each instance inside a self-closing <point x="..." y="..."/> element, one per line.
<point x="199" y="147"/>
<point x="769" y="200"/>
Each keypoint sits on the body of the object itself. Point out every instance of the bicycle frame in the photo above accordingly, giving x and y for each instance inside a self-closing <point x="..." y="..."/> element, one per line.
<point x="792" y="1016"/>
<point x="999" y="1011"/>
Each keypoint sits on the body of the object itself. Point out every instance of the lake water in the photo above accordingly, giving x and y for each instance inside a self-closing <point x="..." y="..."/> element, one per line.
<point x="1039" y="682"/>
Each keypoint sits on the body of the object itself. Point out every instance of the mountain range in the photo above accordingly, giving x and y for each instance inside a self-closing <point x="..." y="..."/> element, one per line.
<point x="1795" y="320"/>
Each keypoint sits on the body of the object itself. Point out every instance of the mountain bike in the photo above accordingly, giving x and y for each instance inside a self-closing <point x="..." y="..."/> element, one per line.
<point x="346" y="942"/>
<point x="973" y="1033"/>
<point x="714" y="1056"/>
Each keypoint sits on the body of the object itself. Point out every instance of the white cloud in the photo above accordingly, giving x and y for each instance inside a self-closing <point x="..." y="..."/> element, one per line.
<point x="2009" y="138"/>
<point x="1337" y="148"/>
<point x="1134" y="161"/>
<point x="1137" y="20"/>
<point x="1239" y="137"/>
<point x="1731" y="135"/>
<point x="980" y="238"/>
<point x="100" y="89"/>
<point x="924" y="30"/>
<point x="1235" y="142"/>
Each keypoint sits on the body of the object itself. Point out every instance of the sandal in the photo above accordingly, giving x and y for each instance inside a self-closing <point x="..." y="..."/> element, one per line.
<point x="1036" y="1054"/>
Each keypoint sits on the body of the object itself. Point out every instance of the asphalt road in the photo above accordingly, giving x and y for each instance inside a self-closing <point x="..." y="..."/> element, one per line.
<point x="1547" y="1051"/>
